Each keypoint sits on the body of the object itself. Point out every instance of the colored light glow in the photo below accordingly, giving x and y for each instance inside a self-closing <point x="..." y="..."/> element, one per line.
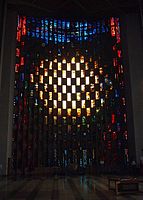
<point x="113" y="118"/>
<point x="113" y="33"/>
<point x="42" y="64"/>
<point x="22" y="61"/>
<point x="16" y="67"/>
<point x="17" y="52"/>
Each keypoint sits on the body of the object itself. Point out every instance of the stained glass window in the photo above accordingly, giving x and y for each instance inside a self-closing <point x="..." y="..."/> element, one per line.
<point x="69" y="100"/>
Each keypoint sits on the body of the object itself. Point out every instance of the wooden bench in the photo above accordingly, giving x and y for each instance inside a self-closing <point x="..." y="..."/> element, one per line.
<point x="123" y="185"/>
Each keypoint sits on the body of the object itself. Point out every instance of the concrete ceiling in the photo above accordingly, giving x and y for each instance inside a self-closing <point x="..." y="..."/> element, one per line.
<point x="75" y="8"/>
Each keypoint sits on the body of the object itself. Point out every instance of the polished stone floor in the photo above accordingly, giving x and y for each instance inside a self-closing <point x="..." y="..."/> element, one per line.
<point x="61" y="188"/>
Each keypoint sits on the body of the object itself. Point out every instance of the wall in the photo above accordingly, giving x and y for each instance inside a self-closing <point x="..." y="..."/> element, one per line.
<point x="134" y="50"/>
<point x="3" y="11"/>
<point x="7" y="88"/>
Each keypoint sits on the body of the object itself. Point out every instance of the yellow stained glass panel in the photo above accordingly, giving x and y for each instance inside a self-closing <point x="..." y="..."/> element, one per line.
<point x="73" y="104"/>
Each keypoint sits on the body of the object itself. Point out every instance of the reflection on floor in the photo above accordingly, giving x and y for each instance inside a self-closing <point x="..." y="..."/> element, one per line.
<point x="61" y="188"/>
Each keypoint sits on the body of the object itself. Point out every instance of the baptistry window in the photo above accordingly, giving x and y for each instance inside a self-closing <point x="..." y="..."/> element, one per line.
<point x="69" y="94"/>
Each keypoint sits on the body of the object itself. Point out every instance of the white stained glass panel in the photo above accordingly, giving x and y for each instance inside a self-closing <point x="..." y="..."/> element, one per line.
<point x="64" y="89"/>
<point x="59" y="81"/>
<point x="73" y="60"/>
<point x="73" y="104"/>
<point x="55" y="88"/>
<point x="55" y="103"/>
<point x="77" y="66"/>
<point x="96" y="79"/>
<point x="73" y="73"/>
<point x="55" y="73"/>
<point x="64" y="103"/>
<point x="83" y="103"/>
<point x="73" y="89"/>
<point x="68" y="96"/>
<point x="87" y="95"/>
<point x="50" y="80"/>
<point x="50" y="65"/>
<point x="82" y="73"/>
<point x="59" y="111"/>
<point x="82" y="88"/>
<point x="59" y="66"/>
<point x="50" y="95"/>
<point x="45" y="72"/>
<point x="64" y="73"/>
<point x="87" y="80"/>
<point x="68" y="81"/>
<point x="78" y="96"/>
<point x="68" y="67"/>
<point x="92" y="103"/>
<point x="69" y="111"/>
<point x="78" y="81"/>
<point x="97" y="95"/>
